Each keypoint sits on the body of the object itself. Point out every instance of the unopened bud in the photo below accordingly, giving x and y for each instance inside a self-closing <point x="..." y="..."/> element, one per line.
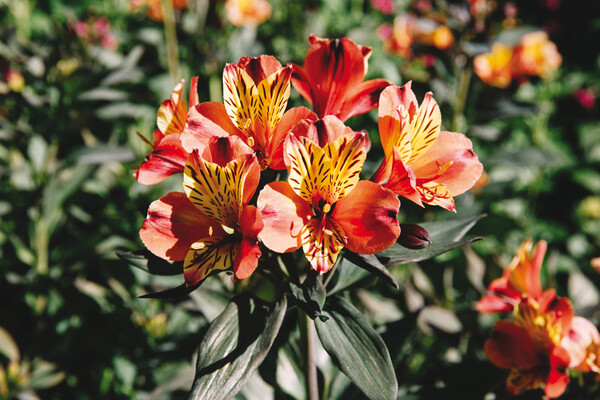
<point x="413" y="236"/>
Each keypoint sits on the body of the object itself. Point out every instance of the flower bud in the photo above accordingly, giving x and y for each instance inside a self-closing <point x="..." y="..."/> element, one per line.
<point x="413" y="236"/>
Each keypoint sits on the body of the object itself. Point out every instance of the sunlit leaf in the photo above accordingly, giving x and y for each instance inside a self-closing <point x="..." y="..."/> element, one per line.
<point x="357" y="349"/>
<point x="8" y="347"/>
<point x="235" y="345"/>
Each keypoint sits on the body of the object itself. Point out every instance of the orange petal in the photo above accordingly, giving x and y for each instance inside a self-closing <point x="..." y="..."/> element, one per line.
<point x="239" y="96"/>
<point x="205" y="121"/>
<point x="173" y="224"/>
<point x="436" y="194"/>
<point x="248" y="254"/>
<point x="172" y="112"/>
<point x="272" y="98"/>
<point x="363" y="98"/>
<point x="207" y="257"/>
<point x="284" y="214"/>
<point x="510" y="346"/>
<point x="259" y="68"/>
<point x="289" y="119"/>
<point x="395" y="129"/>
<point x="322" y="245"/>
<point x="401" y="179"/>
<point x="368" y="217"/>
<point x="194" y="100"/>
<point x="347" y="156"/>
<point x="167" y="158"/>
<point x="301" y="82"/>
<point x="452" y="147"/>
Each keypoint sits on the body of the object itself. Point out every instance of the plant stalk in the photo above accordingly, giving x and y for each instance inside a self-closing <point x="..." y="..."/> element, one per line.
<point x="307" y="329"/>
<point x="458" y="119"/>
<point x="171" y="40"/>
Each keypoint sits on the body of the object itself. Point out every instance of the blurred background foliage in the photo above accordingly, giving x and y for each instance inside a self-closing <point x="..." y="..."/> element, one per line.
<point x="80" y="79"/>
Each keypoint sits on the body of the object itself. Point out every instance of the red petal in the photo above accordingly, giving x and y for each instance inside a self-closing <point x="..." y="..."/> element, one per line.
<point x="284" y="214"/>
<point x="173" y="224"/>
<point x="301" y="82"/>
<point x="289" y="120"/>
<point x="491" y="303"/>
<point x="402" y="180"/>
<point x="194" y="92"/>
<point x="450" y="147"/>
<point x="556" y="384"/>
<point x="247" y="257"/>
<point x="363" y="99"/>
<point x="511" y="347"/>
<point x="205" y="121"/>
<point x="368" y="217"/>
<point x="167" y="158"/>
<point x="259" y="68"/>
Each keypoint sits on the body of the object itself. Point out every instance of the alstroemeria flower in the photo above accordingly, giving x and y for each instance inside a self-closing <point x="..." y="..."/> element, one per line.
<point x="332" y="78"/>
<point x="255" y="93"/>
<point x="495" y="67"/>
<point x="323" y="207"/>
<point x="210" y="227"/>
<point x="582" y="343"/>
<point x="521" y="278"/>
<point x="531" y="345"/>
<point x="247" y="12"/>
<point x="536" y="55"/>
<point x="168" y="156"/>
<point x="422" y="163"/>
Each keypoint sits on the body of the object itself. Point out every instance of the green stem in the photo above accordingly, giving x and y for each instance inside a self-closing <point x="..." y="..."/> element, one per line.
<point x="307" y="329"/>
<point x="171" y="39"/>
<point x="458" y="120"/>
<point x="41" y="247"/>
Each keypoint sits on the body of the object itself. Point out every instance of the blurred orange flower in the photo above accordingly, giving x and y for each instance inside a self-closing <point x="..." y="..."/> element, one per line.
<point x="247" y="12"/>
<point x="494" y="68"/>
<point x="153" y="7"/>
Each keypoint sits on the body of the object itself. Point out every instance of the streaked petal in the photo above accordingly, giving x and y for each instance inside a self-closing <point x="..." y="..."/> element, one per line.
<point x="368" y="217"/>
<point x="259" y="68"/>
<point x="273" y="95"/>
<point x="284" y="214"/>
<point x="205" y="121"/>
<point x="171" y="114"/>
<point x="173" y="224"/>
<point x="290" y="118"/>
<point x="322" y="244"/>
<point x="205" y="258"/>
<point x="426" y="127"/>
<point x="402" y="180"/>
<point x="239" y="96"/>
<point x="347" y="156"/>
<point x="167" y="158"/>
<point x="308" y="169"/>
<point x="436" y="194"/>
<point x="217" y="191"/>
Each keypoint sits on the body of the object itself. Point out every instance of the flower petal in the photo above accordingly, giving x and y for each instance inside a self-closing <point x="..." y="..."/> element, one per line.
<point x="308" y="168"/>
<point x="368" y="217"/>
<point x="289" y="119"/>
<point x="167" y="158"/>
<point x="452" y="147"/>
<point x="426" y="127"/>
<point x="272" y="98"/>
<point x="284" y="214"/>
<point x="363" y="99"/>
<point x="401" y="179"/>
<point x="247" y="257"/>
<point x="510" y="346"/>
<point x="347" y="156"/>
<point x="301" y="82"/>
<point x="436" y="194"/>
<point x="205" y="258"/>
<point x="239" y="96"/>
<point x="171" y="114"/>
<point x="322" y="244"/>
<point x="259" y="68"/>
<point x="173" y="224"/>
<point x="205" y="121"/>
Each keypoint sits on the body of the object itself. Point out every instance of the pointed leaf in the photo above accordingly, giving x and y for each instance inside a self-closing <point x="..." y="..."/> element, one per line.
<point x="445" y="236"/>
<point x="310" y="295"/>
<point x="145" y="260"/>
<point x="235" y="345"/>
<point x="371" y="264"/>
<point x="171" y="293"/>
<point x="357" y="349"/>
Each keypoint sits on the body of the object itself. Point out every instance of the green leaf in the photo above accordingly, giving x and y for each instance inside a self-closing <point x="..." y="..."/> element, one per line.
<point x="235" y="345"/>
<point x="145" y="260"/>
<point x="357" y="349"/>
<point x="445" y="236"/>
<point x="347" y="274"/>
<point x="310" y="295"/>
<point x="371" y="264"/>
<point x="8" y="347"/>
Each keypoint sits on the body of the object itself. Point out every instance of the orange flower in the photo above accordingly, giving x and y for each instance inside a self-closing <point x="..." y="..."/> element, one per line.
<point x="536" y="55"/>
<point x="495" y="68"/>
<point x="255" y="95"/>
<point x="521" y="278"/>
<point x="154" y="8"/>
<point x="247" y="12"/>
<point x="211" y="227"/>
<point x="422" y="163"/>
<point x="531" y="345"/>
<point x="439" y="36"/>
<point x="332" y="78"/>
<point x="168" y="156"/>
<point x="324" y="207"/>
<point x="399" y="38"/>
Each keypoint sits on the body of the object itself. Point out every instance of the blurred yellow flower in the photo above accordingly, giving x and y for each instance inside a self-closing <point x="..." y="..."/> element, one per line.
<point x="247" y="12"/>
<point x="536" y="55"/>
<point x="494" y="68"/>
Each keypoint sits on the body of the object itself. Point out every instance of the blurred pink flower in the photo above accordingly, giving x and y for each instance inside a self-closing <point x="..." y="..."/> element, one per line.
<point x="385" y="6"/>
<point x="585" y="97"/>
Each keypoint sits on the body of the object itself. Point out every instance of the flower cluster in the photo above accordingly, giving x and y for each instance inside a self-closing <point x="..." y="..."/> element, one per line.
<point x="96" y="31"/>
<point x="232" y="208"/>
<point x="408" y="30"/>
<point x="545" y="339"/>
<point x="534" y="55"/>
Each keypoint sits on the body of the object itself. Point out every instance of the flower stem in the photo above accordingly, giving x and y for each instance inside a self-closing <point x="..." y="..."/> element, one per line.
<point x="171" y="39"/>
<point x="458" y="120"/>
<point x="307" y="329"/>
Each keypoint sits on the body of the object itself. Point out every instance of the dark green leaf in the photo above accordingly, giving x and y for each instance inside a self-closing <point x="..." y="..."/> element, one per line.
<point x="445" y="236"/>
<point x="171" y="293"/>
<point x="371" y="264"/>
<point x="357" y="349"/>
<point x="310" y="295"/>
<point x="235" y="345"/>
<point x="347" y="274"/>
<point x="145" y="260"/>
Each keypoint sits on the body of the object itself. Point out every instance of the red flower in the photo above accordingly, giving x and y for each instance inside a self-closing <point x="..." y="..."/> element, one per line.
<point x="211" y="227"/>
<point x="521" y="278"/>
<point x="168" y="156"/>
<point x="422" y="163"/>
<point x="332" y="78"/>
<point x="323" y="206"/>
<point x="530" y="346"/>
<point x="255" y="93"/>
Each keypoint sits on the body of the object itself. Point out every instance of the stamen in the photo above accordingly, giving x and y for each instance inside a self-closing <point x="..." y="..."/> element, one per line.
<point x="210" y="231"/>
<point x="326" y="208"/>
<point x="198" y="245"/>
<point x="250" y="141"/>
